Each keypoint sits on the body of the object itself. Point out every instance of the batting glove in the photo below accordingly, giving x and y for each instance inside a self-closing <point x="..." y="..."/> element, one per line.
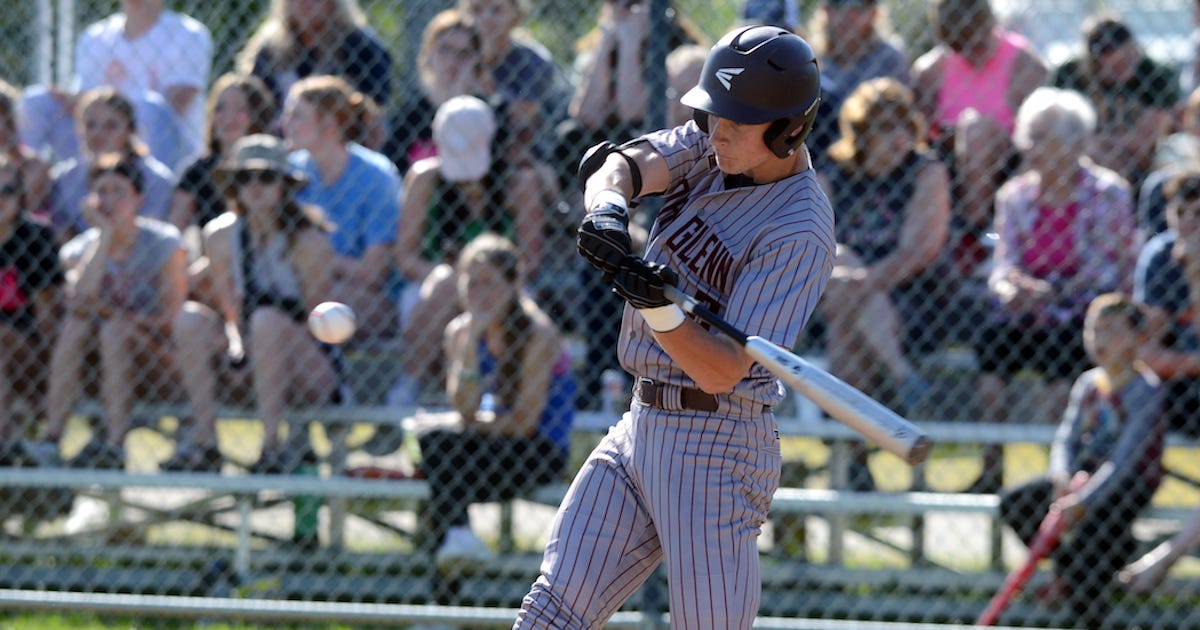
<point x="603" y="238"/>
<point x="643" y="285"/>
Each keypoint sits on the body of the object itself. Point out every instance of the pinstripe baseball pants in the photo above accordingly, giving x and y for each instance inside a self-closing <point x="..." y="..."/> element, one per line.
<point x="691" y="489"/>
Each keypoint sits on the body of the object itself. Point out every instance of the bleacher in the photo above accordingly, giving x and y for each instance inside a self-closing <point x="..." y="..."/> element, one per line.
<point x="118" y="557"/>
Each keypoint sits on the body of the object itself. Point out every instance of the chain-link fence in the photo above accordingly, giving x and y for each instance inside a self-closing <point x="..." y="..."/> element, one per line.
<point x="1017" y="202"/>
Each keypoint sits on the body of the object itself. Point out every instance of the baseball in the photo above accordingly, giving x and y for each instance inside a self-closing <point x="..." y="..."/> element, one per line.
<point x="332" y="322"/>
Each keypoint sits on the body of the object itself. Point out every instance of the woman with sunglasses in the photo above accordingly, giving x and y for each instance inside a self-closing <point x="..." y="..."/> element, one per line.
<point x="267" y="259"/>
<point x="31" y="279"/>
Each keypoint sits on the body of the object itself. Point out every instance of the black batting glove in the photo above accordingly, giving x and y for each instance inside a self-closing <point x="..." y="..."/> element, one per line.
<point x="642" y="283"/>
<point x="603" y="238"/>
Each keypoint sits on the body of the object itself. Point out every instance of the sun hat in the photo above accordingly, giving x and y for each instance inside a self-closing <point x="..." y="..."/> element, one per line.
<point x="258" y="152"/>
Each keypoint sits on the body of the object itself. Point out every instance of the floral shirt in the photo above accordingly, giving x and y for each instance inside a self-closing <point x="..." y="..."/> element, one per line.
<point x="1105" y="238"/>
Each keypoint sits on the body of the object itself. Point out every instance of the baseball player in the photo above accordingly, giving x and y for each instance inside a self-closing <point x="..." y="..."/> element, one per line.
<point x="687" y="475"/>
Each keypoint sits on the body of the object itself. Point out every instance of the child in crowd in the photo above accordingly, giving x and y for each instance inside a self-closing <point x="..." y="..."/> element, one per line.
<point x="1113" y="430"/>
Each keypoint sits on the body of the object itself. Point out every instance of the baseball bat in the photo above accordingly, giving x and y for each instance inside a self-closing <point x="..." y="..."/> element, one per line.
<point x="839" y="399"/>
<point x="1049" y="533"/>
<point x="1046" y="540"/>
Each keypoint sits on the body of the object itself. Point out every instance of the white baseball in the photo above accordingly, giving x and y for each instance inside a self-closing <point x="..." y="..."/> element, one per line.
<point x="332" y="322"/>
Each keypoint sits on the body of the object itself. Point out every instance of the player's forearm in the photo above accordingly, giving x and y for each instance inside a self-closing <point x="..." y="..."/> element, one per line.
<point x="716" y="363"/>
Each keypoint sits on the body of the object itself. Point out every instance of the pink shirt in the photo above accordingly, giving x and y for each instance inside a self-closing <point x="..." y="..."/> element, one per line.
<point x="1099" y="241"/>
<point x="983" y="89"/>
<point x="1052" y="242"/>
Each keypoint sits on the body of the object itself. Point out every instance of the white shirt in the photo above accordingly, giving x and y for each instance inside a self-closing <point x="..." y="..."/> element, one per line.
<point x="176" y="51"/>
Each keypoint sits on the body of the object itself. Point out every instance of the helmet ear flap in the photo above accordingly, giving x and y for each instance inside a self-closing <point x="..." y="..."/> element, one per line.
<point x="786" y="135"/>
<point x="701" y="118"/>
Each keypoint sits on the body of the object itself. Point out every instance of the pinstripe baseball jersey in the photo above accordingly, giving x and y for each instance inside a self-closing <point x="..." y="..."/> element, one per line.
<point x="758" y="256"/>
<point x="683" y="487"/>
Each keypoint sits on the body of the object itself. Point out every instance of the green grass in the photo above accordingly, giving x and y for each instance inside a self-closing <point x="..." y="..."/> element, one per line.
<point x="98" y="622"/>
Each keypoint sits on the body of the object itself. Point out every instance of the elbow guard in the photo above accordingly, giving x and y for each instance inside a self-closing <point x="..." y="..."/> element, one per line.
<point x="595" y="157"/>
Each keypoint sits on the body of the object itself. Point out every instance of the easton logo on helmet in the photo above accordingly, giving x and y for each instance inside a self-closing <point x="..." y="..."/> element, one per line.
<point x="725" y="75"/>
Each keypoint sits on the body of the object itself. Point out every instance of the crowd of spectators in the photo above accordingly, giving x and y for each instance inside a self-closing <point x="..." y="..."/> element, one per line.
<point x="984" y="197"/>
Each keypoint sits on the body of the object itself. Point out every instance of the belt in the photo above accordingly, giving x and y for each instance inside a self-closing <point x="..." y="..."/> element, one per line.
<point x="654" y="394"/>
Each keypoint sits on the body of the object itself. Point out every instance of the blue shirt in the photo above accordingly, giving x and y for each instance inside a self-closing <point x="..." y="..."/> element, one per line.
<point x="364" y="202"/>
<point x="49" y="128"/>
<point x="559" y="413"/>
<point x="1158" y="281"/>
<point x="70" y="186"/>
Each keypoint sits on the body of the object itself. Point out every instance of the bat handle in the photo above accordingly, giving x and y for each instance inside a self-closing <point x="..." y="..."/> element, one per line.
<point x="693" y="306"/>
<point x="683" y="300"/>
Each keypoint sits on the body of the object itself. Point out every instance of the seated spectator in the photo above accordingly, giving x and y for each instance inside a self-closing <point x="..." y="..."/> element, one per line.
<point x="463" y="191"/>
<point x="449" y="64"/>
<point x="611" y="94"/>
<point x="1066" y="233"/>
<point x="126" y="283"/>
<point x="305" y="38"/>
<point x="358" y="189"/>
<point x="107" y="124"/>
<point x="267" y="258"/>
<point x="853" y="45"/>
<point x="893" y="199"/>
<point x="35" y="170"/>
<point x="1175" y="153"/>
<point x="237" y="106"/>
<point x="523" y="72"/>
<point x="31" y="280"/>
<point x="46" y="122"/>
<point x="1133" y="96"/>
<point x="145" y="48"/>
<point x="510" y="383"/>
<point x="610" y="103"/>
<point x="1105" y="465"/>
<point x="684" y="65"/>
<point x="969" y="87"/>
<point x="785" y="13"/>
<point x="1147" y="572"/>
<point x="1166" y="278"/>
<point x="888" y="291"/>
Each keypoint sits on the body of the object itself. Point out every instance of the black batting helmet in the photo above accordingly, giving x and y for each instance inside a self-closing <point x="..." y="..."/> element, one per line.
<point x="759" y="74"/>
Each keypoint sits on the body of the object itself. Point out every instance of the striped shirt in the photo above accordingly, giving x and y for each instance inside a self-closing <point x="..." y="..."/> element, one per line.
<point x="759" y="256"/>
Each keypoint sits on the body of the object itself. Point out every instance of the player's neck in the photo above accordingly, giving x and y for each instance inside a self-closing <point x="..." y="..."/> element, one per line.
<point x="781" y="168"/>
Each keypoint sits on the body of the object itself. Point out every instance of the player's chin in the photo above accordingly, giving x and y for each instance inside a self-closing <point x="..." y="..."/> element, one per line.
<point x="730" y="166"/>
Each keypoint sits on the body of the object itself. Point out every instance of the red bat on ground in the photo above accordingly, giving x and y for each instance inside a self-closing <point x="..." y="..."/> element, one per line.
<point x="1044" y="543"/>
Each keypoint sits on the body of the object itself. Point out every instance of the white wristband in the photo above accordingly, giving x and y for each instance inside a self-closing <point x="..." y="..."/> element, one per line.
<point x="609" y="195"/>
<point x="663" y="318"/>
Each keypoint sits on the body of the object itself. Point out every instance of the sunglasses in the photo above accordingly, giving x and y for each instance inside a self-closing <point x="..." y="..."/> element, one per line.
<point x="244" y="178"/>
